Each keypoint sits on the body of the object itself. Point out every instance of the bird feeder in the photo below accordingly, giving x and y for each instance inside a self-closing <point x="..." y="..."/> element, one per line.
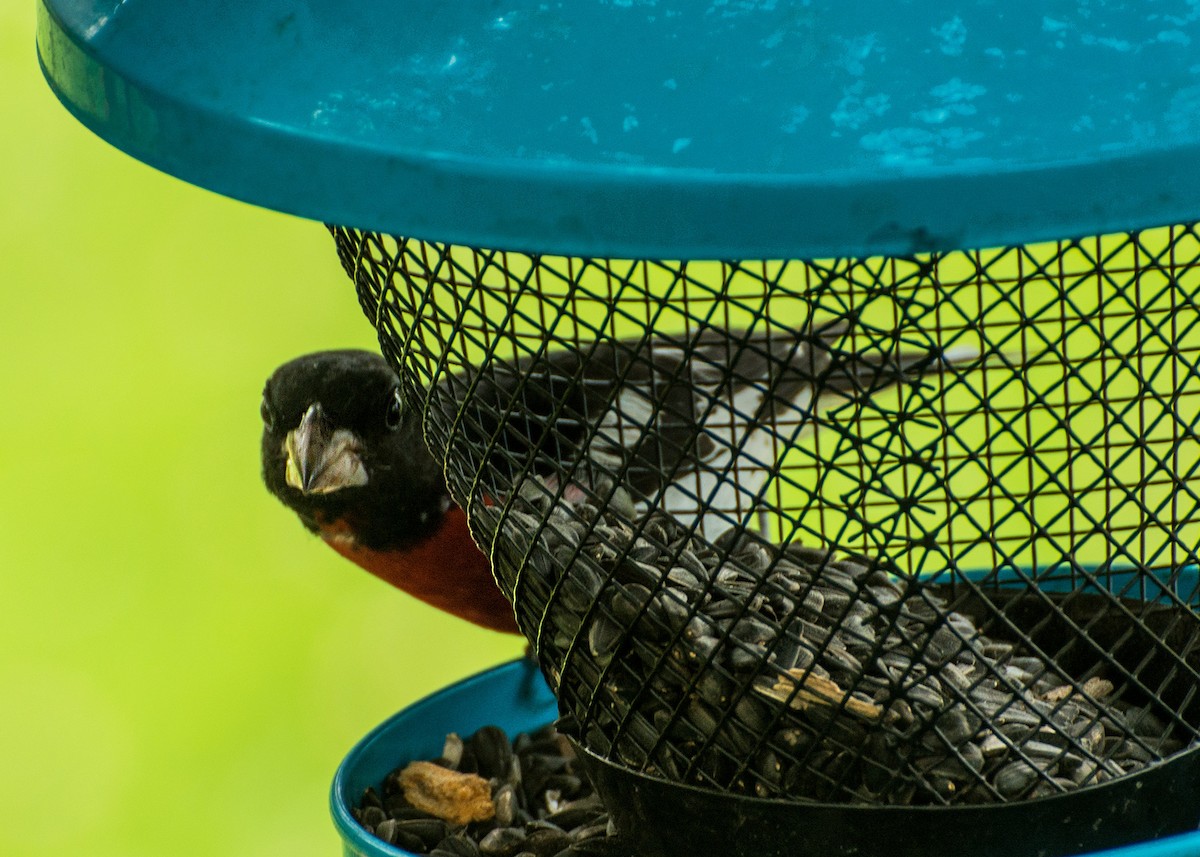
<point x="936" y="582"/>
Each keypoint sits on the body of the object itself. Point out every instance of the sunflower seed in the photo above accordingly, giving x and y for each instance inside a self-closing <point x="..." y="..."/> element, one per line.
<point x="386" y="830"/>
<point x="955" y="726"/>
<point x="627" y="604"/>
<point x="744" y="658"/>
<point x="604" y="635"/>
<point x="452" y="751"/>
<point x="430" y="831"/>
<point x="503" y="842"/>
<point x="506" y="805"/>
<point x="459" y="845"/>
<point x="372" y="816"/>
<point x="1015" y="778"/>
<point x="547" y="840"/>
<point x="682" y="579"/>
<point x="493" y="752"/>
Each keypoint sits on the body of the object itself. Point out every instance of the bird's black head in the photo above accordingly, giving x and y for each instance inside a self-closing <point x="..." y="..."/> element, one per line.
<point x="341" y="450"/>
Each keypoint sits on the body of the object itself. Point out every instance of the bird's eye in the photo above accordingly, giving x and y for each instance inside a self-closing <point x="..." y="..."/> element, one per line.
<point x="268" y="416"/>
<point x="393" y="411"/>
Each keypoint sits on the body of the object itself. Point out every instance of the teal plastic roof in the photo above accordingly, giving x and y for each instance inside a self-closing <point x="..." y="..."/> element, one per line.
<point x="657" y="128"/>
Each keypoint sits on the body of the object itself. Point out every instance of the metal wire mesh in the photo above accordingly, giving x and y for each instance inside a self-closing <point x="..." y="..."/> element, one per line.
<point x="889" y="530"/>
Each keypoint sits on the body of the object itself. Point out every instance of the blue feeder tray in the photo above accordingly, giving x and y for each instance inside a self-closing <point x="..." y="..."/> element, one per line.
<point x="514" y="697"/>
<point x="659" y="129"/>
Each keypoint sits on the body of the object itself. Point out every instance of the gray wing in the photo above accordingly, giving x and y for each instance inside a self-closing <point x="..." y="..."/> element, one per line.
<point x="673" y="408"/>
<point x="697" y="426"/>
<point x="690" y="423"/>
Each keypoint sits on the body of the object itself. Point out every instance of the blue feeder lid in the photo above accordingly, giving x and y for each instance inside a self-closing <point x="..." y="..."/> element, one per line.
<point x="657" y="128"/>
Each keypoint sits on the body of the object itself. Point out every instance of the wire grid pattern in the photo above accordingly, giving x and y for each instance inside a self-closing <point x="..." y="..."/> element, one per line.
<point x="967" y="421"/>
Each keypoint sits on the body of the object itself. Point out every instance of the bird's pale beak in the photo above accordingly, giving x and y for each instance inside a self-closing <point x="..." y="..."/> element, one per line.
<point x="320" y="459"/>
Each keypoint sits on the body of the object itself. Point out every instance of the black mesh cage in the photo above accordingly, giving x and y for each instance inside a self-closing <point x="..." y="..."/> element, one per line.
<point x="915" y="530"/>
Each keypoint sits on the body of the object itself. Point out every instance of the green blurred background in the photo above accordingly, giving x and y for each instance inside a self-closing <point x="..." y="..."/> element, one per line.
<point x="182" y="666"/>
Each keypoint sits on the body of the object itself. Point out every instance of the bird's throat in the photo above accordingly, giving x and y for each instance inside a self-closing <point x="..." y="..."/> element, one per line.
<point x="446" y="570"/>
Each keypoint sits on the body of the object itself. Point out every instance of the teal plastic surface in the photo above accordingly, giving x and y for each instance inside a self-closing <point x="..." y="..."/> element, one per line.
<point x="515" y="697"/>
<point x="657" y="128"/>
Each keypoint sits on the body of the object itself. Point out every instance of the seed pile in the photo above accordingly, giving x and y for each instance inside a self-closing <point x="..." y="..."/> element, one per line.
<point x="537" y="804"/>
<point x="795" y="673"/>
